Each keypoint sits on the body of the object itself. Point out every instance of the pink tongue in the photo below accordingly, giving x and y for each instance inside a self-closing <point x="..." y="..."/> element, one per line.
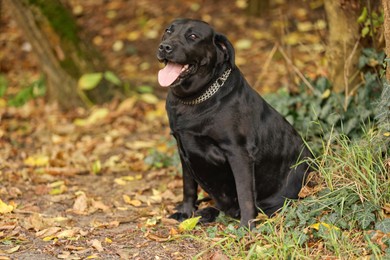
<point x="169" y="74"/>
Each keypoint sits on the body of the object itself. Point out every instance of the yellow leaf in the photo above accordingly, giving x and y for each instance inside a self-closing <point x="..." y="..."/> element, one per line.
<point x="119" y="181"/>
<point x="133" y="36"/>
<point x="243" y="44"/>
<point x="58" y="187"/>
<point x="150" y="222"/>
<point x="12" y="250"/>
<point x="149" y="98"/>
<point x="189" y="224"/>
<point x="387" y="134"/>
<point x="5" y="208"/>
<point x="108" y="240"/>
<point x="316" y="226"/>
<point x="49" y="238"/>
<point x="67" y="233"/>
<point x="37" y="160"/>
<point x="96" y="116"/>
<point x="56" y="184"/>
<point x="90" y="80"/>
<point x="128" y="200"/>
<point x="326" y="94"/>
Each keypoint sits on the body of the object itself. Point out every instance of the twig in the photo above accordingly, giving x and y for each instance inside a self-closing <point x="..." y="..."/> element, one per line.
<point x="266" y="65"/>
<point x="347" y="65"/>
<point x="296" y="70"/>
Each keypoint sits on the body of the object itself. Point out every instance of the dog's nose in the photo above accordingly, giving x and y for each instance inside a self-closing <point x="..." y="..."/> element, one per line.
<point x="165" y="47"/>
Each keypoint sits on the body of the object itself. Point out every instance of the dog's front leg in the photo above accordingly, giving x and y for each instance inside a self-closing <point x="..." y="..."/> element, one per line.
<point x="190" y="194"/>
<point x="243" y="171"/>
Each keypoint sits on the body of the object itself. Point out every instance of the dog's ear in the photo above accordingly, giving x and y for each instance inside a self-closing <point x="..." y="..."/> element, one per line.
<point x="225" y="45"/>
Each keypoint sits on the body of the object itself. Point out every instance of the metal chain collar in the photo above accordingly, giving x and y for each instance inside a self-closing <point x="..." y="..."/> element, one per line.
<point x="210" y="91"/>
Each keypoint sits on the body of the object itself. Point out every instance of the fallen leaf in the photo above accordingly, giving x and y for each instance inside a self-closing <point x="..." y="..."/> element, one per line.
<point x="67" y="233"/>
<point x="158" y="238"/>
<point x="37" y="161"/>
<point x="81" y="204"/>
<point x="149" y="98"/>
<point x="5" y="208"/>
<point x="151" y="222"/>
<point x="12" y="250"/>
<point x="97" y="245"/>
<point x="96" y="116"/>
<point x="48" y="232"/>
<point x="99" y="205"/>
<point x="316" y="226"/>
<point x="189" y="224"/>
<point x="243" y="44"/>
<point x="64" y="255"/>
<point x="128" y="200"/>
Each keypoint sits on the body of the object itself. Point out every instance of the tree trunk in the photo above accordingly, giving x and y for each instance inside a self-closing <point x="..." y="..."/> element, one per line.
<point x="64" y="57"/>
<point x="343" y="43"/>
<point x="386" y="25"/>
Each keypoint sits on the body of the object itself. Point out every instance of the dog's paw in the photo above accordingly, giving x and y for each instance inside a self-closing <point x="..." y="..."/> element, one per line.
<point x="208" y="214"/>
<point x="179" y="216"/>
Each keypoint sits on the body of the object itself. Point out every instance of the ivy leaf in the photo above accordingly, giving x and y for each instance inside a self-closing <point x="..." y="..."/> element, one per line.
<point x="383" y="225"/>
<point x="89" y="81"/>
<point x="365" y="219"/>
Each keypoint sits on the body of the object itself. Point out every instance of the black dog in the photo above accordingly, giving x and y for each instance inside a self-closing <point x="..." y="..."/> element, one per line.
<point x="232" y="143"/>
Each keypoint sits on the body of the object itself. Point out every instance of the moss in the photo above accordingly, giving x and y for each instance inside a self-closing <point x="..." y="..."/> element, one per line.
<point x="59" y="17"/>
<point x="72" y="68"/>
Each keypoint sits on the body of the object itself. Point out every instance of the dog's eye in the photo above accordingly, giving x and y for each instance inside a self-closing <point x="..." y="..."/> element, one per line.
<point x="168" y="30"/>
<point x="193" y="36"/>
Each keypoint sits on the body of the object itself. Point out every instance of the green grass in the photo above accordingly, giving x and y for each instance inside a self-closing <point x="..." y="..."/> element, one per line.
<point x="344" y="220"/>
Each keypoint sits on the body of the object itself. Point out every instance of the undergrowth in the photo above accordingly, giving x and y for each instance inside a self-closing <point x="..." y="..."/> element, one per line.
<point x="346" y="219"/>
<point x="347" y="214"/>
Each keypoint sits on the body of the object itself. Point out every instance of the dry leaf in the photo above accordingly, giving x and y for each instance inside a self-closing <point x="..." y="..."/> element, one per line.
<point x="48" y="232"/>
<point x="5" y="208"/>
<point x="97" y="245"/>
<point x="99" y="205"/>
<point x="128" y="200"/>
<point x="157" y="238"/>
<point x="67" y="233"/>
<point x="12" y="250"/>
<point x="81" y="204"/>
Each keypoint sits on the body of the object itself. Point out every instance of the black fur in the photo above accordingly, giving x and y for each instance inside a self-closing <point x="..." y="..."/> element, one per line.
<point x="234" y="145"/>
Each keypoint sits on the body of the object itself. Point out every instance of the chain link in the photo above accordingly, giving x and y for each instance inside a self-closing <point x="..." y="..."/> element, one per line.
<point x="210" y="91"/>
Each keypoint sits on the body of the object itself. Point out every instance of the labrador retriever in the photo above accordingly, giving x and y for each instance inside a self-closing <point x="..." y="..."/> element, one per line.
<point x="231" y="142"/>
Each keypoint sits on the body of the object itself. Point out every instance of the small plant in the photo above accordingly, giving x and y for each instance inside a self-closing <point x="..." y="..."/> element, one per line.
<point x="164" y="158"/>
<point x="371" y="23"/>
<point x="335" y="112"/>
<point x="34" y="90"/>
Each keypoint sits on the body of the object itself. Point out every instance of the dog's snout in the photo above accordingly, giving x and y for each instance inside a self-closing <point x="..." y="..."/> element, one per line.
<point x="165" y="47"/>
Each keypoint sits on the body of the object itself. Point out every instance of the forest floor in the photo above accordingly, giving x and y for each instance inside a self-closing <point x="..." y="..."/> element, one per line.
<point x="99" y="183"/>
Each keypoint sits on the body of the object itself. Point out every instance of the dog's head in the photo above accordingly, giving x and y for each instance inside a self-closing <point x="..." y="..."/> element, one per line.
<point x="194" y="55"/>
